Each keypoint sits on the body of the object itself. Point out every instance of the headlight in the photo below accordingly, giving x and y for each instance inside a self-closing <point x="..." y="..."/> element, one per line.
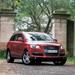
<point x="35" y="46"/>
<point x="61" y="47"/>
<point x="62" y="50"/>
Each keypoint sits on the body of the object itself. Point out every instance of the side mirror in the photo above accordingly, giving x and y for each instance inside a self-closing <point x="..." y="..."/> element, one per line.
<point x="55" y="40"/>
<point x="20" y="39"/>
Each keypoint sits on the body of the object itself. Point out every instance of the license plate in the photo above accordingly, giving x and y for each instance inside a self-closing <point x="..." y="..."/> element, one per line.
<point x="51" y="51"/>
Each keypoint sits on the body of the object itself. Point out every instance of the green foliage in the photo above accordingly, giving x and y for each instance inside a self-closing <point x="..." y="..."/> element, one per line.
<point x="36" y="9"/>
<point x="71" y="60"/>
<point x="72" y="9"/>
<point x="6" y="4"/>
<point x="3" y="54"/>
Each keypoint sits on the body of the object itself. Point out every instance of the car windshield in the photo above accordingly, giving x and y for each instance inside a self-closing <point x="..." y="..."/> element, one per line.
<point x="38" y="37"/>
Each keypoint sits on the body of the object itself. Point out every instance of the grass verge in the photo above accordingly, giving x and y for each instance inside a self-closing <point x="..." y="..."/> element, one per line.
<point x="71" y="60"/>
<point x="3" y="54"/>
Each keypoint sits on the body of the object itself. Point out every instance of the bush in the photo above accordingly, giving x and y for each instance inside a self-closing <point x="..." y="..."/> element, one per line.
<point x="71" y="60"/>
<point x="3" y="54"/>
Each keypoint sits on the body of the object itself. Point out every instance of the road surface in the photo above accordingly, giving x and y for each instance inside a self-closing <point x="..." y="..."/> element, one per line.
<point x="45" y="68"/>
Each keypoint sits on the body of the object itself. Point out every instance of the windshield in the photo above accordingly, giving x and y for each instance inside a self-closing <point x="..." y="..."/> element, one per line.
<point x="38" y="37"/>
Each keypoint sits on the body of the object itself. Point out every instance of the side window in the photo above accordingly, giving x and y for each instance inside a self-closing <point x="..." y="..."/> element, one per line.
<point x="11" y="39"/>
<point x="15" y="37"/>
<point x="20" y="35"/>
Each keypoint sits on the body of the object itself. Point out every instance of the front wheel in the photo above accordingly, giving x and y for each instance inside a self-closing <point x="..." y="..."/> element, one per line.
<point x="60" y="62"/>
<point x="26" y="58"/>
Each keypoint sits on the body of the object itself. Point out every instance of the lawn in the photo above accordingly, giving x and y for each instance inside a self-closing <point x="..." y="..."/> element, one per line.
<point x="71" y="60"/>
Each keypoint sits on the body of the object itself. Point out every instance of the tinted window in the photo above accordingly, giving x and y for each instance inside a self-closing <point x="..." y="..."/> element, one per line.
<point x="15" y="37"/>
<point x="30" y="37"/>
<point x="38" y="37"/>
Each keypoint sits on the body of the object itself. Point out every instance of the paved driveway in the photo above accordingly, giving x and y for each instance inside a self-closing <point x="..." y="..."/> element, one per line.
<point x="17" y="68"/>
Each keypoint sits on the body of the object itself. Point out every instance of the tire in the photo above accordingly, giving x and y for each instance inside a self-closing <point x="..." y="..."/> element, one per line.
<point x="38" y="62"/>
<point x="60" y="62"/>
<point x="26" y="58"/>
<point x="9" y="58"/>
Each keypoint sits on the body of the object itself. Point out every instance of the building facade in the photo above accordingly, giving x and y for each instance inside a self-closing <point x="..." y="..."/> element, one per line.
<point x="6" y="27"/>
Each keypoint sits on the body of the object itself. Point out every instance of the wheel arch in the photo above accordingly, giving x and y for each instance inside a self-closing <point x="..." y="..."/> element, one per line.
<point x="26" y="50"/>
<point x="8" y="50"/>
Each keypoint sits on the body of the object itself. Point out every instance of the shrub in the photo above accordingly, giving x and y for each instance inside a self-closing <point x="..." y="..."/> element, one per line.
<point x="3" y="54"/>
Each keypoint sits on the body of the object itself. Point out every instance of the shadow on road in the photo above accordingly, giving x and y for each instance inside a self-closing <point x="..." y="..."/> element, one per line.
<point x="38" y="64"/>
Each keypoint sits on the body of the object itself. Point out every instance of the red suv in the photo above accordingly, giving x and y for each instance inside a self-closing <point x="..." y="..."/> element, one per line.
<point x="35" y="47"/>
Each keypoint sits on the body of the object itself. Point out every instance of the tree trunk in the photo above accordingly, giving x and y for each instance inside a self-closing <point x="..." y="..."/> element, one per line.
<point x="47" y="27"/>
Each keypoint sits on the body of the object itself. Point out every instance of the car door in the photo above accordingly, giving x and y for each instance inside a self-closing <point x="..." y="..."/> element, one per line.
<point x="13" y="41"/>
<point x="19" y="45"/>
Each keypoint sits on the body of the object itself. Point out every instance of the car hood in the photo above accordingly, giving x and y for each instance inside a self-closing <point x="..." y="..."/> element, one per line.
<point x="43" y="43"/>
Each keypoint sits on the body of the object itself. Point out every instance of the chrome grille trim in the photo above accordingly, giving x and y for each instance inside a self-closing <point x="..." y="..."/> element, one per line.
<point x="51" y="48"/>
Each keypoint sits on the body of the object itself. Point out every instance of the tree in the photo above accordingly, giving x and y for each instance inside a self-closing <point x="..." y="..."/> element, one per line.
<point x="72" y="9"/>
<point x="40" y="12"/>
<point x="6" y="4"/>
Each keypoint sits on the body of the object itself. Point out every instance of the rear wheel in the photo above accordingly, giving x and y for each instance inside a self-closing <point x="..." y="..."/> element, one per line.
<point x="60" y="62"/>
<point x="9" y="58"/>
<point x="26" y="58"/>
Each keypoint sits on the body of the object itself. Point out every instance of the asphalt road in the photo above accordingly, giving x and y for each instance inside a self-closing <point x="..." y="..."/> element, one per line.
<point x="45" y="68"/>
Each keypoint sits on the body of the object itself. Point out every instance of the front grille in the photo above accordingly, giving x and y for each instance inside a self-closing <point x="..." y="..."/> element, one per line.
<point x="52" y="48"/>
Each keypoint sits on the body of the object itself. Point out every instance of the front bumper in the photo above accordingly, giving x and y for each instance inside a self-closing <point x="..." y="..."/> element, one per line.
<point x="48" y="58"/>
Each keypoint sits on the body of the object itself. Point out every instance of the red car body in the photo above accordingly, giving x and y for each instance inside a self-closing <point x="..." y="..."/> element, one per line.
<point x="24" y="45"/>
